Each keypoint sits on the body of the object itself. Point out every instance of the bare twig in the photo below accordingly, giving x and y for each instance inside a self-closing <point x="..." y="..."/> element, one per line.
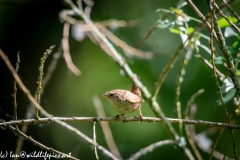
<point x="220" y="74"/>
<point x="15" y="89"/>
<point x="231" y="9"/>
<point x="66" y="53"/>
<point x="212" y="152"/>
<point x="178" y="85"/>
<point x="39" y="88"/>
<point x="165" y="71"/>
<point x="114" y="39"/>
<point x="227" y="19"/>
<point x="95" y="139"/>
<point x="121" y="119"/>
<point x="150" y="148"/>
<point x="128" y="49"/>
<point x="191" y="135"/>
<point x="106" y="128"/>
<point x="203" y="19"/>
<point x="150" y="31"/>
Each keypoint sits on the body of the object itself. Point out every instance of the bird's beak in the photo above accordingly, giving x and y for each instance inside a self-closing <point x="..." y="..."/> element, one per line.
<point x="104" y="95"/>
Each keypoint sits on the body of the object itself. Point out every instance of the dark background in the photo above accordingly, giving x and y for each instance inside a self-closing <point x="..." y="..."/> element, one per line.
<point x="31" y="27"/>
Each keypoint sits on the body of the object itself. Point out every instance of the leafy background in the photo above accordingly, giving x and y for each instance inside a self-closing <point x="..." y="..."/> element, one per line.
<point x="32" y="26"/>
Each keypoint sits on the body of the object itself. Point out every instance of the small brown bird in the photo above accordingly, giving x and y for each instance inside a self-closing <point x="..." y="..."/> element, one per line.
<point x="124" y="101"/>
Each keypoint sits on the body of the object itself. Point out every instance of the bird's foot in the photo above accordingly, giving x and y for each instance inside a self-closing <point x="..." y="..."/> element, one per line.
<point x="140" y="117"/>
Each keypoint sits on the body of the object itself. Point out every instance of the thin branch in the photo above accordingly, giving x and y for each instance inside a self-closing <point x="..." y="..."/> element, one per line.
<point x="39" y="88"/>
<point x="94" y="139"/>
<point x="203" y="19"/>
<point x="200" y="144"/>
<point x="191" y="135"/>
<point x="30" y="97"/>
<point x="121" y="119"/>
<point x="15" y="89"/>
<point x="52" y="66"/>
<point x="20" y="83"/>
<point x="106" y="128"/>
<point x="220" y="74"/>
<point x="178" y="85"/>
<point x="231" y="9"/>
<point x="215" y="143"/>
<point x="66" y="53"/>
<point x="150" y="148"/>
<point x="150" y="31"/>
<point x="165" y="71"/>
<point x="227" y="19"/>
<point x="130" y="51"/>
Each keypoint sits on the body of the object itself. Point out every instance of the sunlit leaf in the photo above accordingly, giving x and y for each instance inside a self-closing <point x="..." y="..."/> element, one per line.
<point x="238" y="72"/>
<point x="236" y="44"/>
<point x="222" y="22"/>
<point x="237" y="111"/>
<point x="174" y="30"/>
<point x="177" y="11"/>
<point x="190" y="30"/>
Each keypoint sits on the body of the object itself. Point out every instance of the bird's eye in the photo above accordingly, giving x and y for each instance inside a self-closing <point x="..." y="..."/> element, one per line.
<point x="111" y="94"/>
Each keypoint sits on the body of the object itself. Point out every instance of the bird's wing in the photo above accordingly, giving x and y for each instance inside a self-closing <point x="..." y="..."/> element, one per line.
<point x="133" y="98"/>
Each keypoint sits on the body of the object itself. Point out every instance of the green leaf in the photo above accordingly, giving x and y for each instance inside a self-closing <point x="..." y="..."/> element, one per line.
<point x="237" y="111"/>
<point x="236" y="60"/>
<point x="236" y="44"/>
<point x="230" y="32"/>
<point x="222" y="22"/>
<point x="238" y="72"/>
<point x="181" y="4"/>
<point x="174" y="30"/>
<point x="178" y="11"/>
<point x="197" y="49"/>
<point x="229" y="96"/>
<point x="165" y="24"/>
<point x="218" y="60"/>
<point x="163" y="10"/>
<point x="190" y="30"/>
<point x="227" y="85"/>
<point x="233" y="51"/>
